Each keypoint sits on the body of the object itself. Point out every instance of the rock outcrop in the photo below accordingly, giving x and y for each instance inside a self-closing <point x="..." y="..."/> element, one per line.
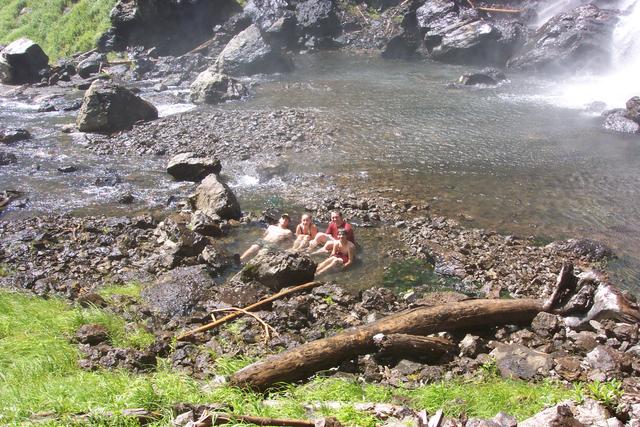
<point x="249" y="53"/>
<point x="625" y="120"/>
<point x="173" y="27"/>
<point x="216" y="200"/>
<point x="211" y="87"/>
<point x="107" y="107"/>
<point x="23" y="61"/>
<point x="576" y="40"/>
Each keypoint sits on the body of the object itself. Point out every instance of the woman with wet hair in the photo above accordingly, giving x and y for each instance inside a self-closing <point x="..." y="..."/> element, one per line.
<point x="342" y="255"/>
<point x="305" y="232"/>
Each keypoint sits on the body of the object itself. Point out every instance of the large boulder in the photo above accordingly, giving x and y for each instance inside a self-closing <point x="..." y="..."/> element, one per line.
<point x="249" y="53"/>
<point x="487" y="77"/>
<point x="23" y="61"/>
<point x="277" y="270"/>
<point x="177" y="292"/>
<point x="211" y="87"/>
<point x="461" y="36"/>
<point x="633" y="109"/>
<point x="216" y="200"/>
<point x="274" y="20"/>
<point x="477" y="42"/>
<point x="191" y="167"/>
<point x="107" y="107"/>
<point x="576" y="40"/>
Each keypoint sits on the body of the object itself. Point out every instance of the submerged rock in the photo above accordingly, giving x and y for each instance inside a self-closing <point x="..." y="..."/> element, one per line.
<point x="248" y="53"/>
<point x="215" y="199"/>
<point x="191" y="167"/>
<point x="488" y="76"/>
<point x="23" y="61"/>
<point x="211" y="87"/>
<point x="576" y="40"/>
<point x="587" y="248"/>
<point x="107" y="107"/>
<point x="7" y="158"/>
<point x="8" y="136"/>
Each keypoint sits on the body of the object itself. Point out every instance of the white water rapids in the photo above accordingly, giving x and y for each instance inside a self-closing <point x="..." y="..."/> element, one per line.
<point x="621" y="81"/>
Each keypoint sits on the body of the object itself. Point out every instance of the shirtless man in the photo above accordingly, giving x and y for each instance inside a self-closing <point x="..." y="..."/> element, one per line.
<point x="331" y="236"/>
<point x="342" y="255"/>
<point x="274" y="235"/>
<point x="305" y="232"/>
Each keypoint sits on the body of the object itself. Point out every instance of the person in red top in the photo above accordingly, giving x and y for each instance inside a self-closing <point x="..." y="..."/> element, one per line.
<point x="343" y="254"/>
<point x="329" y="238"/>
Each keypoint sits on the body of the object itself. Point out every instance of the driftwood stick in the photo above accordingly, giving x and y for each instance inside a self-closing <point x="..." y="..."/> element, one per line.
<point x="301" y="362"/>
<point x="202" y="46"/>
<point x="212" y="419"/>
<point x="412" y="347"/>
<point x="499" y="10"/>
<point x="268" y="330"/>
<point x="251" y="307"/>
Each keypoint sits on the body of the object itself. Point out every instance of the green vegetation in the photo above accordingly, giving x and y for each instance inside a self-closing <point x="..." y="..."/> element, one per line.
<point x="61" y="27"/>
<point x="608" y="392"/>
<point x="130" y="289"/>
<point x="39" y="372"/>
<point x="4" y="270"/>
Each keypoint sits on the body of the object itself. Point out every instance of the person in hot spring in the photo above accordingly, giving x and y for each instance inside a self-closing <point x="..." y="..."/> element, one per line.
<point x="305" y="232"/>
<point x="343" y="254"/>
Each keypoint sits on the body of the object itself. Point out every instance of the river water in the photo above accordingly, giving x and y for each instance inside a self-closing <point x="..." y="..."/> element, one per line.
<point x="510" y="158"/>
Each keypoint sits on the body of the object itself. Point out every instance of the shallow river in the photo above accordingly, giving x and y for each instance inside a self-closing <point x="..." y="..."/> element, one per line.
<point x="506" y="158"/>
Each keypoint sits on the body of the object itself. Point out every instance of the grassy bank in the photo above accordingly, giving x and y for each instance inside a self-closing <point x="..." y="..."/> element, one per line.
<point x="61" y="27"/>
<point x="39" y="373"/>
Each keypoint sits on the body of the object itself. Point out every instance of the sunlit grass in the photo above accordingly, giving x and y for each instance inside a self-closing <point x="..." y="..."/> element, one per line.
<point x="61" y="27"/>
<point x="39" y="373"/>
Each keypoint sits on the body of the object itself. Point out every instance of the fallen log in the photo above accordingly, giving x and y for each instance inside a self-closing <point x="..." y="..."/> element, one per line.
<point x="412" y="347"/>
<point x="251" y="307"/>
<point x="301" y="362"/>
<point x="214" y="419"/>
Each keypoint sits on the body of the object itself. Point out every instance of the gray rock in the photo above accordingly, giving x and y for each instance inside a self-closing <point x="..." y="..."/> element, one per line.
<point x="592" y="413"/>
<point x="7" y="158"/>
<point x="107" y="107"/>
<point x="248" y="53"/>
<point x="604" y="359"/>
<point x="545" y="324"/>
<point x="8" y="136"/>
<point x="590" y="249"/>
<point x="517" y="361"/>
<point x="202" y="224"/>
<point x="633" y="109"/>
<point x="560" y="415"/>
<point x="568" y="367"/>
<point x="216" y="200"/>
<point x="470" y="346"/>
<point x="92" y="334"/>
<point x="407" y="367"/>
<point x="475" y="422"/>
<point x="317" y="18"/>
<point x="191" y="167"/>
<point x="90" y="65"/>
<point x="178" y="291"/>
<point x="505" y="420"/>
<point x="617" y="121"/>
<point x="177" y="239"/>
<point x="211" y="87"/>
<point x="578" y="39"/>
<point x="22" y="62"/>
<point x="277" y="270"/>
<point x="584" y="340"/>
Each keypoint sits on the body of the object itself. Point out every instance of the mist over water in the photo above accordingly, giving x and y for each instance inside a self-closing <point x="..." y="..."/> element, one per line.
<point x="620" y="82"/>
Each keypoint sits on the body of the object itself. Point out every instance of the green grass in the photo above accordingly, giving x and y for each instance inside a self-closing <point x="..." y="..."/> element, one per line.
<point x="130" y="289"/>
<point x="61" y="27"/>
<point x="39" y="373"/>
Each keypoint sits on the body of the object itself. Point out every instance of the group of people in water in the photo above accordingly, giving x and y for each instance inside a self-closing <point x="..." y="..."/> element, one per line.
<point x="338" y="240"/>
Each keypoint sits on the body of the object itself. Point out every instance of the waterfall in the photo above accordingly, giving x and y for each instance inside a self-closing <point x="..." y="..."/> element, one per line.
<point x="610" y="89"/>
